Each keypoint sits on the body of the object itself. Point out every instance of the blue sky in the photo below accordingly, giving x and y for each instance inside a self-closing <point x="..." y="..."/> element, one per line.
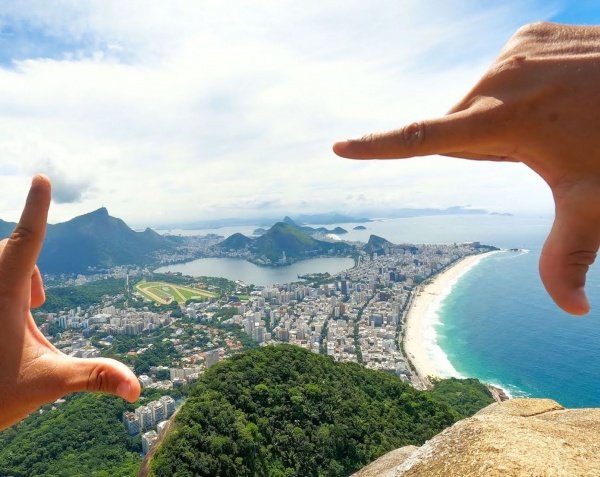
<point x="182" y="111"/>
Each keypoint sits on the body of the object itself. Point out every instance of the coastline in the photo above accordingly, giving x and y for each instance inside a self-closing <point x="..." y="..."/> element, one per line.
<point x="419" y="340"/>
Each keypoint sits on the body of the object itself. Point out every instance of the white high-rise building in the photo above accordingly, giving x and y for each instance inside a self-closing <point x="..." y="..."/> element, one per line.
<point x="144" y="415"/>
<point x="169" y="405"/>
<point x="212" y="357"/>
<point x="131" y="423"/>
<point x="148" y="440"/>
<point x="158" y="411"/>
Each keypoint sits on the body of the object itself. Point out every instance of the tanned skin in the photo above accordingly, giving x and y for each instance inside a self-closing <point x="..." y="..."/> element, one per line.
<point x="538" y="104"/>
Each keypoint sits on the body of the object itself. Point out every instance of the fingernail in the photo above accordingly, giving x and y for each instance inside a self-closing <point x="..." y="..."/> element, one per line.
<point x="124" y="390"/>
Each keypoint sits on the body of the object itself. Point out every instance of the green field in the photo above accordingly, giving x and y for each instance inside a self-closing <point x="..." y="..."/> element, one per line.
<point x="164" y="293"/>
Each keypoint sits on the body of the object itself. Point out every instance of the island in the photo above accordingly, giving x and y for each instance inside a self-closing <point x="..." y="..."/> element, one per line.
<point x="360" y="227"/>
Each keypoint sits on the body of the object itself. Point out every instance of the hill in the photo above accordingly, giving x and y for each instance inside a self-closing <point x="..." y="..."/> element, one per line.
<point x="284" y="411"/>
<point x="283" y="238"/>
<point x="295" y="242"/>
<point x="286" y="238"/>
<point x="6" y="228"/>
<point x="311" y="230"/>
<point x="235" y="242"/>
<point x="81" y="437"/>
<point x="377" y="244"/>
<point x="97" y="240"/>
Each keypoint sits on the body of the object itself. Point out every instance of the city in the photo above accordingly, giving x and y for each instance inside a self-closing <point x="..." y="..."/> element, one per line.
<point x="356" y="315"/>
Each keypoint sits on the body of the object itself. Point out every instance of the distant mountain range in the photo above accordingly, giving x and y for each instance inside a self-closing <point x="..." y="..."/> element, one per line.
<point x="284" y="239"/>
<point x="312" y="230"/>
<point x="320" y="219"/>
<point x="334" y="217"/>
<point x="96" y="240"/>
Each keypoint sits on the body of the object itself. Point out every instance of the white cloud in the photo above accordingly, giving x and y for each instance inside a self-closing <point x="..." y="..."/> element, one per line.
<point x="175" y="111"/>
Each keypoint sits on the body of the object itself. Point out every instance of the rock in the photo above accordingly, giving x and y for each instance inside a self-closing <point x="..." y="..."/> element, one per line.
<point x="519" y="437"/>
<point x="386" y="465"/>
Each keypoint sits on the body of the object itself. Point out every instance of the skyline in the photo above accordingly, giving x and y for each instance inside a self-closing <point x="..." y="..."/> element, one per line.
<point x="191" y="113"/>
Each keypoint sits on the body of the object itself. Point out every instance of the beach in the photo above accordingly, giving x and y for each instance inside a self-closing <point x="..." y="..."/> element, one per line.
<point x="420" y="343"/>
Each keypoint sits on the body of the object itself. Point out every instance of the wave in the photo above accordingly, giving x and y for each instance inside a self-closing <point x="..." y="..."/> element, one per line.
<point x="433" y="320"/>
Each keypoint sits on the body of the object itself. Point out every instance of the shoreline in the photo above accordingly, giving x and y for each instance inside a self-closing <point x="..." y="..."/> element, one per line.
<point x="419" y="339"/>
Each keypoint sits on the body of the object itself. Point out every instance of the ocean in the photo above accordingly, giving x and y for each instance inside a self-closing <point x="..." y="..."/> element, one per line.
<point x="497" y="323"/>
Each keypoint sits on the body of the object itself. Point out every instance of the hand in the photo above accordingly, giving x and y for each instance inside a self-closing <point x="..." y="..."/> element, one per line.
<point x="538" y="104"/>
<point x="33" y="372"/>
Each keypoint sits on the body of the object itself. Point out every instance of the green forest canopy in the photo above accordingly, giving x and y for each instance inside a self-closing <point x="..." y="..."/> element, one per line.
<point x="283" y="411"/>
<point x="275" y="411"/>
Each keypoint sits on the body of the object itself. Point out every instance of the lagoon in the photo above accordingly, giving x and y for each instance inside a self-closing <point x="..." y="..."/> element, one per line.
<point x="240" y="269"/>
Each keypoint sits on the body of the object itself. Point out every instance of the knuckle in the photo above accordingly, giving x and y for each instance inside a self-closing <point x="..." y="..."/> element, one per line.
<point x="534" y="28"/>
<point x="413" y="135"/>
<point x="368" y="138"/>
<point x="511" y="63"/>
<point x="21" y="234"/>
<point x="581" y="258"/>
<point x="98" y="379"/>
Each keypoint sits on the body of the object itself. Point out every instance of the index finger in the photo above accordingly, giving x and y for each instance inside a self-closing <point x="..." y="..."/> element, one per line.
<point x="460" y="131"/>
<point x="18" y="259"/>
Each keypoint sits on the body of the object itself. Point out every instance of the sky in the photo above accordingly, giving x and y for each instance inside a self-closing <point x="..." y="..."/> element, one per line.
<point x="180" y="111"/>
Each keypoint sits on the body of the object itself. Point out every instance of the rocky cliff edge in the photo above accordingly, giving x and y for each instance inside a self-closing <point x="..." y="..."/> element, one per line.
<point x="519" y="437"/>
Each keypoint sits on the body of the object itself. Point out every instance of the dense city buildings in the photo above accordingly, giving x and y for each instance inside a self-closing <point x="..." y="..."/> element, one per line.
<point x="356" y="315"/>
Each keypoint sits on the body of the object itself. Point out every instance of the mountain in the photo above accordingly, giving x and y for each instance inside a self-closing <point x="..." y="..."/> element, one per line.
<point x="330" y="218"/>
<point x="235" y="242"/>
<point x="288" y="220"/>
<point x="97" y="240"/>
<point x="283" y="237"/>
<point x="259" y="231"/>
<point x="284" y="411"/>
<point x="321" y="219"/>
<point x="6" y="228"/>
<point x="310" y="230"/>
<point x="377" y="244"/>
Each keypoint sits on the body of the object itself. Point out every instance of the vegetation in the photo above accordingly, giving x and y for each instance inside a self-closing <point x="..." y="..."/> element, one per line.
<point x="294" y="242"/>
<point x="283" y="411"/>
<point x="284" y="237"/>
<point x="463" y="395"/>
<point x="86" y="295"/>
<point x="83" y="437"/>
<point x="235" y="242"/>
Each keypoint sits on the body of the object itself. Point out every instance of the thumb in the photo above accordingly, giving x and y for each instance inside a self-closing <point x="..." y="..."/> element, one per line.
<point x="98" y="375"/>
<point x="569" y="251"/>
<point x="461" y="131"/>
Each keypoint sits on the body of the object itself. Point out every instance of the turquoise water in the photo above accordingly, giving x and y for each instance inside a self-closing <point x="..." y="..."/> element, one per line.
<point x="499" y="325"/>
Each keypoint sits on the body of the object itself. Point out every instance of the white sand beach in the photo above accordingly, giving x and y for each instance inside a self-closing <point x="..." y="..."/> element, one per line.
<point x="420" y="342"/>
